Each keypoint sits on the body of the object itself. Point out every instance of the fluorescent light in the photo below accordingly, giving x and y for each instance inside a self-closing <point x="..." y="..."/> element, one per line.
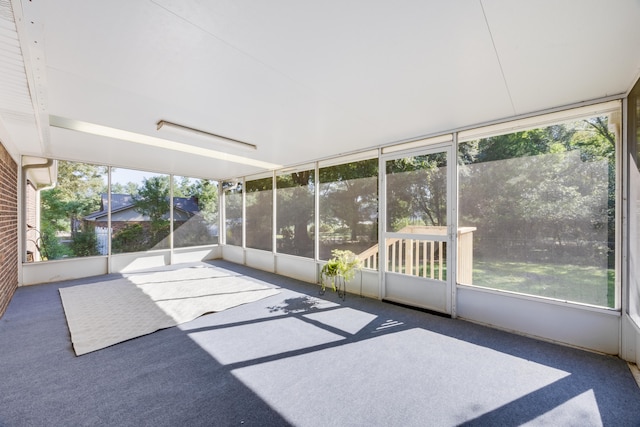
<point x="138" y="138"/>
<point x="218" y="138"/>
<point x="417" y="144"/>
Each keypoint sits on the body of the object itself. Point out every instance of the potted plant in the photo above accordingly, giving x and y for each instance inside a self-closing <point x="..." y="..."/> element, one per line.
<point x="339" y="270"/>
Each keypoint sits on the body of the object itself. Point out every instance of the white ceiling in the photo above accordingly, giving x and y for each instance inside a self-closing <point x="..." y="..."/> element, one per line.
<point x="301" y="80"/>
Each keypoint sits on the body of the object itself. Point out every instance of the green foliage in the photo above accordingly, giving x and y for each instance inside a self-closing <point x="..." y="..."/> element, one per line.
<point x="585" y="284"/>
<point x="257" y="185"/>
<point x="152" y="198"/>
<point x="182" y="186"/>
<point x="545" y="195"/>
<point x="417" y="187"/>
<point x="295" y="212"/>
<point x="343" y="263"/>
<point x="349" y="171"/>
<point x="543" y="202"/>
<point x="129" y="188"/>
<point x="233" y="217"/>
<point x="129" y="239"/>
<point x="206" y="191"/>
<point x="513" y="145"/>
<point x="50" y="245"/>
<point x="349" y="200"/>
<point x="54" y="214"/>
<point x="402" y="222"/>
<point x="191" y="233"/>
<point x="76" y="194"/>
<point x="259" y="214"/>
<point x="85" y="242"/>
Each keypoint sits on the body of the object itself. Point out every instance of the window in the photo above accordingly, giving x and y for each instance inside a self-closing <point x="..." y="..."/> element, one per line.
<point x="233" y="213"/>
<point x="633" y="138"/>
<point x="71" y="219"/>
<point x="259" y="211"/>
<point x="542" y="202"/>
<point x="295" y="213"/>
<point x="195" y="212"/>
<point x="349" y="209"/>
<point x="67" y="225"/>
<point x="139" y="211"/>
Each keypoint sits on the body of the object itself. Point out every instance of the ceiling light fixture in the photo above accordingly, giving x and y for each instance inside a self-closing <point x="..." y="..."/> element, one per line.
<point x="123" y="135"/>
<point x="218" y="138"/>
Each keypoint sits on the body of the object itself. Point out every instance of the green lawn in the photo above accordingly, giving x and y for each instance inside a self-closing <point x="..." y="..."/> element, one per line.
<point x="576" y="283"/>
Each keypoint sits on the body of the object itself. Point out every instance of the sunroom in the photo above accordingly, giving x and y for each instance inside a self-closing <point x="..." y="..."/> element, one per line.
<point x="478" y="157"/>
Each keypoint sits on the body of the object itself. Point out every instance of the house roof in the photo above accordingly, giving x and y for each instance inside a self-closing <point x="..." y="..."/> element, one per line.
<point x="123" y="202"/>
<point x="89" y="81"/>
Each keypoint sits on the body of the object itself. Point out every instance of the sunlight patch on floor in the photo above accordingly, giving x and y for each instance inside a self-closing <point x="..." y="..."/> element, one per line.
<point x="409" y="377"/>
<point x="577" y="411"/>
<point x="261" y="339"/>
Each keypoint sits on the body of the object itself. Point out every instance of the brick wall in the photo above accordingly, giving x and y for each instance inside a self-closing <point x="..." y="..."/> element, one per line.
<point x="8" y="228"/>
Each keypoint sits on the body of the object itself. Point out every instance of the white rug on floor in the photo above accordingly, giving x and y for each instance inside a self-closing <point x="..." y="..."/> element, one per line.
<point x="106" y="313"/>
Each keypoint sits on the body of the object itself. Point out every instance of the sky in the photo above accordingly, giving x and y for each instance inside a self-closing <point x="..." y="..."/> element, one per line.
<point x="123" y="176"/>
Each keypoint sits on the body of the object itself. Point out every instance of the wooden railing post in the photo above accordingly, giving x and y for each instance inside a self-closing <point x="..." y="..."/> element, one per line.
<point x="465" y="255"/>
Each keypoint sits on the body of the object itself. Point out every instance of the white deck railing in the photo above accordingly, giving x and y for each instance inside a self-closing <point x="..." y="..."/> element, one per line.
<point x="424" y="258"/>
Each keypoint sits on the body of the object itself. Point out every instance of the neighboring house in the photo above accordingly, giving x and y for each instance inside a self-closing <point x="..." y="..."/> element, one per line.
<point x="123" y="211"/>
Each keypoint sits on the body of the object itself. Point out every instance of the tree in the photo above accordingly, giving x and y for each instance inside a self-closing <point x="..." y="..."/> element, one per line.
<point x="206" y="191"/>
<point x="233" y="215"/>
<point x="182" y="186"/>
<point x="295" y="206"/>
<point x="601" y="145"/>
<point x="85" y="242"/>
<point x="259" y="216"/>
<point x="131" y="238"/>
<point x="417" y="191"/>
<point x="349" y="194"/>
<point x="302" y="180"/>
<point x="203" y="227"/>
<point x="77" y="193"/>
<point x="545" y="194"/>
<point x="128" y="188"/>
<point x="152" y="200"/>
<point x="514" y="145"/>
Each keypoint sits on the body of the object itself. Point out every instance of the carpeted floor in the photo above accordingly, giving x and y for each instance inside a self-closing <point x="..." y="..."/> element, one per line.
<point x="297" y="359"/>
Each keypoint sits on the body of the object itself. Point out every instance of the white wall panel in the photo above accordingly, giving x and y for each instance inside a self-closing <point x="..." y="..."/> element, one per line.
<point x="196" y="254"/>
<point x="262" y="260"/>
<point x="416" y="291"/>
<point x="67" y="269"/>
<point x="630" y="340"/>
<point x="583" y="327"/>
<point x="123" y="263"/>
<point x="365" y="283"/>
<point x="296" y="267"/>
<point x="233" y="254"/>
